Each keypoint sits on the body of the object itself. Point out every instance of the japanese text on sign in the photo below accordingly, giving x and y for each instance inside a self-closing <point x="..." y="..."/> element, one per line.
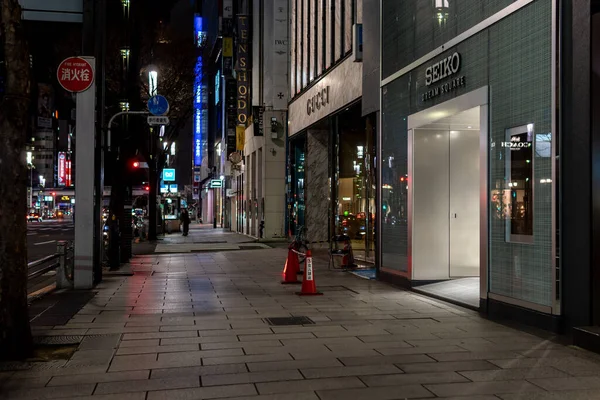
<point x="75" y="74"/>
<point x="72" y="74"/>
<point x="309" y="269"/>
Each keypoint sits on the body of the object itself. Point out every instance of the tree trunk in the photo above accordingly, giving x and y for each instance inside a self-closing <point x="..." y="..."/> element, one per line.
<point x="15" y="332"/>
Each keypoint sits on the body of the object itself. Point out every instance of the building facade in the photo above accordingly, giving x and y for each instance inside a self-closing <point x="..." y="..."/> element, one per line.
<point x="484" y="156"/>
<point x="331" y="179"/>
<point x="256" y="198"/>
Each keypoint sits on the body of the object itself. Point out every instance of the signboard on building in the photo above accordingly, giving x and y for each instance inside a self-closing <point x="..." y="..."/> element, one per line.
<point x="227" y="8"/>
<point x="52" y="10"/>
<point x="217" y="87"/>
<point x="168" y="175"/>
<point x="258" y="116"/>
<point x="75" y="74"/>
<point x="240" y="137"/>
<point x="200" y="121"/>
<point x="62" y="169"/>
<point x="243" y="69"/>
<point x="446" y="68"/>
<point x="69" y="181"/>
<point x="45" y="107"/>
<point x="279" y="53"/>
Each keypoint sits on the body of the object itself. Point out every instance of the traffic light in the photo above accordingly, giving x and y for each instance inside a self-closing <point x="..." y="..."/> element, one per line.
<point x="53" y="194"/>
<point x="135" y="164"/>
<point x="147" y="188"/>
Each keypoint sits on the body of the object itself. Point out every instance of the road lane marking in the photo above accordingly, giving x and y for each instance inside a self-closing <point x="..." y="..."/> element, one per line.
<point x="41" y="243"/>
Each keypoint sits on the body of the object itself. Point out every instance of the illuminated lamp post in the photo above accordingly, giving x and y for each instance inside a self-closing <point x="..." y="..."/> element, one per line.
<point x="152" y="80"/>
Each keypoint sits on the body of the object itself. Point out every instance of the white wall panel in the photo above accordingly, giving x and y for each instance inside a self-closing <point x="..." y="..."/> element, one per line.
<point x="429" y="185"/>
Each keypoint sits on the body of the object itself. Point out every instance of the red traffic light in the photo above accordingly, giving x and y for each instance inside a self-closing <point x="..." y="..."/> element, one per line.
<point x="147" y="188"/>
<point x="53" y="193"/>
<point x="136" y="164"/>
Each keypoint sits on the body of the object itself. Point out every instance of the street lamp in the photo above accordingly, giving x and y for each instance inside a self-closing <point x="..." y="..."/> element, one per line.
<point x="152" y="80"/>
<point x="30" y="166"/>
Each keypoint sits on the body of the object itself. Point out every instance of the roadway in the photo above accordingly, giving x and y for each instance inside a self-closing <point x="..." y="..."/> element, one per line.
<point x="42" y="237"/>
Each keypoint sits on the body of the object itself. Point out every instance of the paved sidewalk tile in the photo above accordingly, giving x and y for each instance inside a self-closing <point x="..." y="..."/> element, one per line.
<point x="49" y="393"/>
<point x="410" y="379"/>
<point x="361" y="370"/>
<point x="374" y="360"/>
<point x="477" y="388"/>
<point x="203" y="393"/>
<point x="447" y="366"/>
<point x="563" y="395"/>
<point x="193" y="326"/>
<point x="569" y="383"/>
<point x="379" y="393"/>
<point x="96" y="378"/>
<point x="281" y="396"/>
<point x="514" y="374"/>
<point x="250" y="377"/>
<point x="198" y="371"/>
<point x="121" y="396"/>
<point x="309" y="384"/>
<point x="293" y="364"/>
<point x="146" y="385"/>
<point x="157" y="349"/>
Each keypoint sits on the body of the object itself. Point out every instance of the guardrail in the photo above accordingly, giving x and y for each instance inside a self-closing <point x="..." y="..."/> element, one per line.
<point x="61" y="261"/>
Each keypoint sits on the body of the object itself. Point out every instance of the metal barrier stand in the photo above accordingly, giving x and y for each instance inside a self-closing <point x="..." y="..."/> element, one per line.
<point x="61" y="261"/>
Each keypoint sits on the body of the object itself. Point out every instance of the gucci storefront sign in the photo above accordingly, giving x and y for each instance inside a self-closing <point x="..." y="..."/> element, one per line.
<point x="446" y="68"/>
<point x="321" y="99"/>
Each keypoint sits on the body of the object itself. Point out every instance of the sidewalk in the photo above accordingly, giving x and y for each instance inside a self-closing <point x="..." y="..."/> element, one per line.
<point x="192" y="326"/>
<point x="201" y="238"/>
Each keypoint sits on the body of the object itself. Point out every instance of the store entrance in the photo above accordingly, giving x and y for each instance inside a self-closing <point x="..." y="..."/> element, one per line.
<point x="446" y="188"/>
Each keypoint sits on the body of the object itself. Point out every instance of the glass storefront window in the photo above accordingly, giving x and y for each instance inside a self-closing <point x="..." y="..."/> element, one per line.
<point x="519" y="173"/>
<point x="296" y="200"/>
<point x="355" y="206"/>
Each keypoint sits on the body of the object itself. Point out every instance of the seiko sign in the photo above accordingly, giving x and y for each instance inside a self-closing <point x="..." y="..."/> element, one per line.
<point x="321" y="99"/>
<point x="442" y="69"/>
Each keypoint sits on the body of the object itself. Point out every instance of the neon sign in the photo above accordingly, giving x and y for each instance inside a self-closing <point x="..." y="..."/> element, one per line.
<point x="199" y="99"/>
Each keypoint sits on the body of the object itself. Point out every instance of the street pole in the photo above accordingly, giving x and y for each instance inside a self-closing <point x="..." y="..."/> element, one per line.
<point x="84" y="187"/>
<point x="30" y="187"/>
<point x="214" y="198"/>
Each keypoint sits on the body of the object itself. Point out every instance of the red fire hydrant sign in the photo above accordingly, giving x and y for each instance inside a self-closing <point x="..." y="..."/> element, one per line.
<point x="75" y="74"/>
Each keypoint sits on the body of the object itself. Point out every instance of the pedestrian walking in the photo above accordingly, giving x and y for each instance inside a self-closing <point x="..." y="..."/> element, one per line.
<point x="185" y="221"/>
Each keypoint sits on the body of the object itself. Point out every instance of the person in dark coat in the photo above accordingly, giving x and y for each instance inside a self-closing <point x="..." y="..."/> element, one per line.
<point x="185" y="221"/>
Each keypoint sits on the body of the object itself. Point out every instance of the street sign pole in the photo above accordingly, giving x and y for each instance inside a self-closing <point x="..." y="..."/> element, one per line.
<point x="84" y="186"/>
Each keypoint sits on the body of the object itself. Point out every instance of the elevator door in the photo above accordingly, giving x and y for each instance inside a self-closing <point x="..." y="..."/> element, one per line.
<point x="464" y="203"/>
<point x="446" y="190"/>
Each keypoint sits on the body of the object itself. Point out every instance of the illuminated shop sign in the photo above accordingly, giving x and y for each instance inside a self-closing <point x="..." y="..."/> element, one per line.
<point x="242" y="70"/>
<point x="199" y="99"/>
<point x="169" y="175"/>
<point x="441" y="70"/>
<point x="217" y="87"/>
<point x="62" y="169"/>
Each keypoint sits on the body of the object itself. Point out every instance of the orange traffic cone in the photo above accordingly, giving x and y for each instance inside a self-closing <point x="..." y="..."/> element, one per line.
<point x="292" y="266"/>
<point x="309" y="287"/>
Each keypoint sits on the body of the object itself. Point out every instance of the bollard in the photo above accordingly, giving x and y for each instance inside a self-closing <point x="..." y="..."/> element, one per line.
<point x="62" y="272"/>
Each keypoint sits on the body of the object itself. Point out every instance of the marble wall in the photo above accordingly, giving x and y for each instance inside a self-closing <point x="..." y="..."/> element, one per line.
<point x="317" y="185"/>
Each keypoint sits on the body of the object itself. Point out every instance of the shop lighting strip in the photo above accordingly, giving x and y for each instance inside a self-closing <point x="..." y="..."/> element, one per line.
<point x="458" y="39"/>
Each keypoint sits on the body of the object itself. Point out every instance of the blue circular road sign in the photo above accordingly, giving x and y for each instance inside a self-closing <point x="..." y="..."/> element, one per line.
<point x="158" y="105"/>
